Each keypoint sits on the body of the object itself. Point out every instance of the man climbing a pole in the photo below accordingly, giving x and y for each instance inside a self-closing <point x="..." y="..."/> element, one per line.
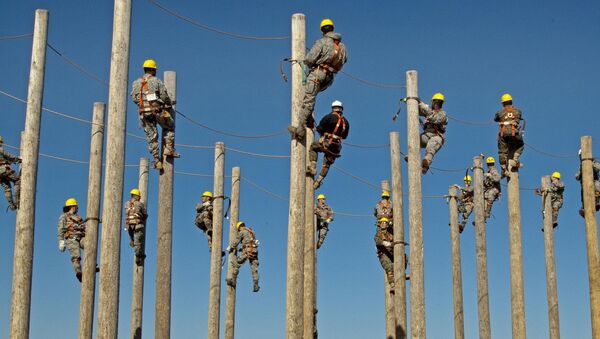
<point x="556" y="191"/>
<point x="596" y="173"/>
<point x="155" y="106"/>
<point x="384" y="208"/>
<point x="325" y="216"/>
<point x="491" y="186"/>
<point x="8" y="176"/>
<point x="384" y="242"/>
<point x="204" y="216"/>
<point x="327" y="57"/>
<point x="465" y="202"/>
<point x="71" y="231"/>
<point x="333" y="128"/>
<point x="510" y="134"/>
<point x="248" y="251"/>
<point x="135" y="218"/>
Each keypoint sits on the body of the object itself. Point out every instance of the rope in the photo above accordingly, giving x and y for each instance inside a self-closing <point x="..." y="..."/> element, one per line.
<point x="212" y="29"/>
<point x="553" y="155"/>
<point x="354" y="215"/>
<point x="370" y="83"/>
<point x="77" y="66"/>
<point x="257" y="154"/>
<point x="366" y="146"/>
<point x="468" y="122"/>
<point x="448" y="169"/>
<point x="13" y="37"/>
<point x="356" y="177"/>
<point x="264" y="190"/>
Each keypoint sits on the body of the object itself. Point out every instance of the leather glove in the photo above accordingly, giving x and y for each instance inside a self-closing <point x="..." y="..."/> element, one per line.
<point x="229" y="249"/>
<point x="61" y="245"/>
<point x="387" y="243"/>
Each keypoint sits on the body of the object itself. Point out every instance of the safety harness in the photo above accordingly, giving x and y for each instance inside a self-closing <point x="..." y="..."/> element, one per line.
<point x="437" y="128"/>
<point x="386" y="211"/>
<point x="333" y="138"/>
<point x="334" y="64"/>
<point x="251" y="249"/>
<point x="152" y="106"/>
<point x="75" y="226"/>
<point x="385" y="236"/>
<point x="133" y="218"/>
<point x="509" y="120"/>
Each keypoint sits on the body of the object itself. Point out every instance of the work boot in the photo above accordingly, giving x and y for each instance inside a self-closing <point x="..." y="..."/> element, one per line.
<point x="256" y="287"/>
<point x="319" y="243"/>
<point x="12" y="206"/>
<point x="97" y="269"/>
<point x="461" y="226"/>
<point x="297" y="132"/>
<point x="131" y="243"/>
<point x="425" y="166"/>
<point x="582" y="212"/>
<point x="504" y="171"/>
<point x="78" y="276"/>
<point x="406" y="158"/>
<point x="407" y="277"/>
<point x="230" y="282"/>
<point x="311" y="168"/>
<point x="139" y="259"/>
<point x="170" y="152"/>
<point x="157" y="164"/>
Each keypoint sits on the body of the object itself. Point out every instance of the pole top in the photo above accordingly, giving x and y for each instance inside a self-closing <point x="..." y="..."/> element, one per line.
<point x="452" y="191"/>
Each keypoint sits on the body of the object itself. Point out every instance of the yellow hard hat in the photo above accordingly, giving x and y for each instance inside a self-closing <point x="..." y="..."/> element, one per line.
<point x="467" y="178"/>
<point x="135" y="191"/>
<point x="70" y="202"/>
<point x="490" y="160"/>
<point x="438" y="96"/>
<point x="506" y="97"/>
<point x="384" y="219"/>
<point x="150" y="64"/>
<point x="326" y="22"/>
<point x="240" y="223"/>
<point x="321" y="196"/>
<point x="556" y="175"/>
<point x="385" y="194"/>
<point x="207" y="194"/>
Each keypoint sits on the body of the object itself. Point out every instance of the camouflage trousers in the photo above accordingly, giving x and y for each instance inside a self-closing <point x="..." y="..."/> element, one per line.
<point x="556" y="205"/>
<point x="6" y="178"/>
<point x="490" y="196"/>
<point x="322" y="229"/>
<point x="387" y="262"/>
<point x="204" y="222"/>
<point x="510" y="147"/>
<point x="166" y="122"/>
<point x="465" y="209"/>
<point x="432" y="143"/>
<point x="331" y="149"/>
<point x="74" y="244"/>
<point x="137" y="237"/>
<point x="240" y="259"/>
<point x="317" y="81"/>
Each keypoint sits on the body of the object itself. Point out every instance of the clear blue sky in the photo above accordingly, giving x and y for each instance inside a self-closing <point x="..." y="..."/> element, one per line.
<point x="544" y="53"/>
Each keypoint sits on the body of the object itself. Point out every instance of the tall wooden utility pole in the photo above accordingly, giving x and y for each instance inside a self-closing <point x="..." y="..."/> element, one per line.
<point x="390" y="314"/>
<point x="25" y="225"/>
<point x="90" y="253"/>
<point x="233" y="220"/>
<point x="591" y="231"/>
<point x="483" y="304"/>
<point x="295" y="254"/>
<point x="108" y="298"/>
<point x="310" y="255"/>
<point x="415" y="211"/>
<point x="399" y="250"/>
<point x="164" y="246"/>
<point x="137" y="299"/>
<point x="553" y="323"/>
<point x="516" y="256"/>
<point x="214" y="298"/>
<point x="459" y="323"/>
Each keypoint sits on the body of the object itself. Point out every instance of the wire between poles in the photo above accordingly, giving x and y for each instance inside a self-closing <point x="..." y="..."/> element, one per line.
<point x="14" y="37"/>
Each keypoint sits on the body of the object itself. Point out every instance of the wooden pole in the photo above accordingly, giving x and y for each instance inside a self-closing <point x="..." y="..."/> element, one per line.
<point x="415" y="212"/>
<point x="399" y="250"/>
<point x="90" y="253"/>
<point x="516" y="256"/>
<point x="309" y="250"/>
<point x="591" y="231"/>
<point x="164" y="247"/>
<point x="137" y="300"/>
<point x="108" y="299"/>
<point x="295" y="254"/>
<point x="25" y="225"/>
<point x="483" y="303"/>
<point x="214" y="298"/>
<point x="553" y="322"/>
<point x="390" y="314"/>
<point x="459" y="324"/>
<point x="233" y="220"/>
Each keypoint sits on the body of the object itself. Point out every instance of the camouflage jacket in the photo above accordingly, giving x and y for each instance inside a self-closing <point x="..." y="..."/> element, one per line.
<point x="247" y="238"/>
<point x="135" y="213"/>
<point x="557" y="188"/>
<point x="7" y="158"/>
<point x="466" y="195"/>
<point x="153" y="94"/>
<point x="324" y="213"/>
<point x="384" y="235"/>
<point x="384" y="209"/>
<point x="204" y="210"/>
<point x="435" y="121"/>
<point x="595" y="170"/>
<point x="329" y="51"/>
<point x="492" y="179"/>
<point x="70" y="225"/>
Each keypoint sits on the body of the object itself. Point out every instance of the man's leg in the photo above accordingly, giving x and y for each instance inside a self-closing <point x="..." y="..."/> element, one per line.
<point x="168" y="127"/>
<point x="388" y="266"/>
<point x="208" y="224"/>
<point x="236" y="263"/>
<point x="149" y="125"/>
<point x="16" y="180"/>
<point x="434" y="144"/>
<point x="322" y="230"/>
<point x="327" y="161"/>
<point x="503" y="155"/>
<point x="254" y="267"/>
<point x="73" y="247"/>
<point x="8" y="193"/>
<point x="138" y="244"/>
<point x="313" y="156"/>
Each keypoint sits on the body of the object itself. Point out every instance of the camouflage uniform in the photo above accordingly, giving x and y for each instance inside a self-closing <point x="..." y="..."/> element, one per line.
<point x="136" y="215"/>
<point x="491" y="189"/>
<point x="465" y="205"/>
<point x="71" y="229"/>
<point x="384" y="209"/>
<point x="248" y="251"/>
<point x="327" y="57"/>
<point x="384" y="241"/>
<point x="150" y="94"/>
<point x="556" y="190"/>
<point x="204" y="216"/>
<point x="596" y="174"/>
<point x="510" y="138"/>
<point x="8" y="175"/>
<point x="434" y="128"/>
<point x="325" y="216"/>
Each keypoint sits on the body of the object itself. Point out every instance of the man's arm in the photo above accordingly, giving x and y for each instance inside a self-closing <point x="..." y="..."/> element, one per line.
<point x="424" y="109"/>
<point x="313" y="55"/>
<point x="62" y="227"/>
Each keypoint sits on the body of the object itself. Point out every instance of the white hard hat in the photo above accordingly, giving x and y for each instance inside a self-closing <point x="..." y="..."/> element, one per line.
<point x="337" y="103"/>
